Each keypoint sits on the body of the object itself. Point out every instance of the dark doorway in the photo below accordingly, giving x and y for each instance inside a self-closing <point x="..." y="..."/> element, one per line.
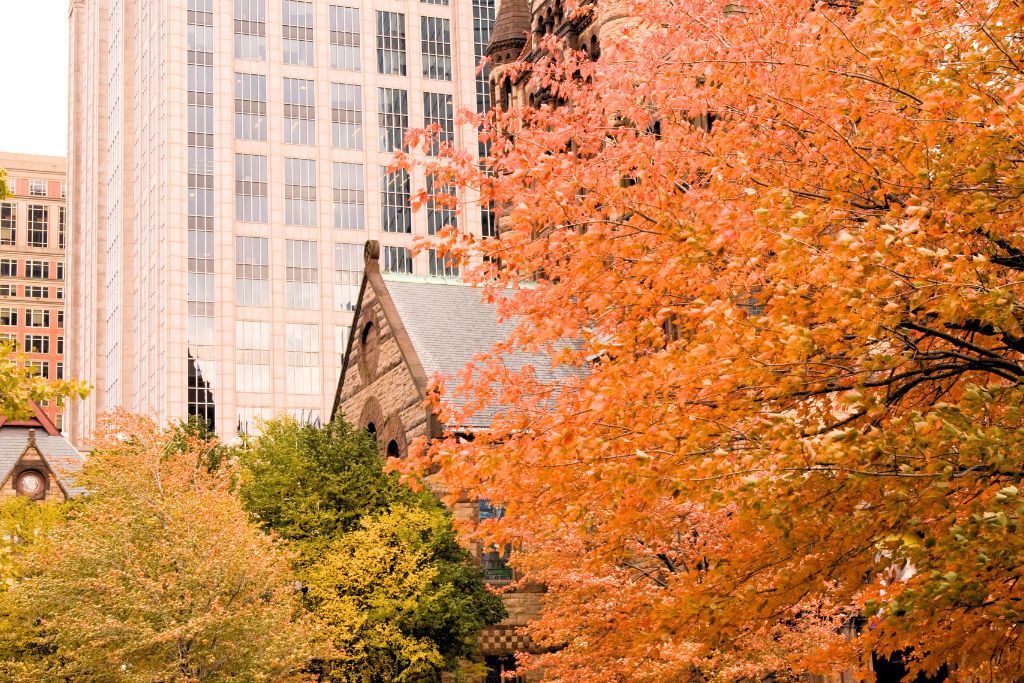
<point x="498" y="666"/>
<point x="893" y="669"/>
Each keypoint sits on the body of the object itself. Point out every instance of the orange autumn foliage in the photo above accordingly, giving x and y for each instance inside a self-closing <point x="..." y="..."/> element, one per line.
<point x="799" y="437"/>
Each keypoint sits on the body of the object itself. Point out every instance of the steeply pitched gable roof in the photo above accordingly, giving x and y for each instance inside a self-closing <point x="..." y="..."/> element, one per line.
<point x="446" y="323"/>
<point x="59" y="455"/>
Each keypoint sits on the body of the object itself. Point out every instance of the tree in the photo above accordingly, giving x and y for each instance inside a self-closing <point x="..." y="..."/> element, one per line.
<point x="156" y="576"/>
<point x="20" y="387"/>
<point x="310" y="485"/>
<point x="23" y="522"/>
<point x="393" y="594"/>
<point x="399" y="597"/>
<point x="802" y="334"/>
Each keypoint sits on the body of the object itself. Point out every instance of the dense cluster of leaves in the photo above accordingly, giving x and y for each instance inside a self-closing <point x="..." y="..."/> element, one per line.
<point x="393" y="594"/>
<point x="157" y="575"/>
<point x="19" y="388"/>
<point x="803" y="329"/>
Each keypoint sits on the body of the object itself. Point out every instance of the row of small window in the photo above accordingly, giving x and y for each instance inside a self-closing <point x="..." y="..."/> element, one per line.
<point x="33" y="343"/>
<point x="253" y="364"/>
<point x="38" y="225"/>
<point x="297" y="31"/>
<point x="299" y="111"/>
<point x="252" y="271"/>
<point x="36" y="188"/>
<point x="41" y="368"/>
<point x="33" y="317"/>
<point x="31" y="291"/>
<point x="252" y="202"/>
<point x="33" y="269"/>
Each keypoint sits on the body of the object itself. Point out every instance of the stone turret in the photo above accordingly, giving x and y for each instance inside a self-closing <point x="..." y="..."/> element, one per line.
<point x="509" y="37"/>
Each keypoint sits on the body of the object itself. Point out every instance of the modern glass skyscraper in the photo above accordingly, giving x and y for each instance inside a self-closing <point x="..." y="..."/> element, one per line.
<point x="227" y="160"/>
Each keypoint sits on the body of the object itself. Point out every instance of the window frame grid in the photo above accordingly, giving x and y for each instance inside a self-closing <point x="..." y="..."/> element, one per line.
<point x="348" y="275"/>
<point x="250" y="29"/>
<point x="349" y="200"/>
<point x="8" y="224"/>
<point x="436" y="48"/>
<point x="252" y="267"/>
<point x="392" y="118"/>
<point x="302" y="344"/>
<point x="252" y="356"/>
<point x="439" y="110"/>
<point x="302" y="277"/>
<point x="297" y="25"/>
<point x="391" y="43"/>
<point x="443" y="212"/>
<point x="395" y="206"/>
<point x="396" y="259"/>
<point x="250" y="107"/>
<point x="300" y="192"/>
<point x="34" y="227"/>
<point x="298" y="96"/>
<point x="251" y="201"/>
<point x="441" y="266"/>
<point x="345" y="37"/>
<point x="346" y="116"/>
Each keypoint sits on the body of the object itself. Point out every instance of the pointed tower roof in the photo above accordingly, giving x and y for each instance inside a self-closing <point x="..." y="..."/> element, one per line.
<point x="510" y="31"/>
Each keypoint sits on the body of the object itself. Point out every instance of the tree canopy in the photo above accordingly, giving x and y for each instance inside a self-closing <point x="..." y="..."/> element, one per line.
<point x="803" y="330"/>
<point x="156" y="575"/>
<point x="392" y="594"/>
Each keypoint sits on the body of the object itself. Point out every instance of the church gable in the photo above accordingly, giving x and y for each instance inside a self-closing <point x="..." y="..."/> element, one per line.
<point x="382" y="385"/>
<point x="35" y="460"/>
<point x="28" y="473"/>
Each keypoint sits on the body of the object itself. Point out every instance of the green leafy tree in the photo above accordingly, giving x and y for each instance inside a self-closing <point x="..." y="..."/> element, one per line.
<point x="23" y="523"/>
<point x="310" y="485"/>
<point x="396" y="598"/>
<point x="157" y="575"/>
<point x="19" y="387"/>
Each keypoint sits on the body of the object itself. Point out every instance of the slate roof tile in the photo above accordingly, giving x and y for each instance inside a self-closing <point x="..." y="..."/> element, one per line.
<point x="448" y="324"/>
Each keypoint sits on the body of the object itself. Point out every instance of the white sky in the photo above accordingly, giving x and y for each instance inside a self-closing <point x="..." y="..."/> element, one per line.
<point x="34" y="76"/>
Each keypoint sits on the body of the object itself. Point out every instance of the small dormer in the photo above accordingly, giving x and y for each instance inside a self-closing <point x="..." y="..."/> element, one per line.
<point x="35" y="460"/>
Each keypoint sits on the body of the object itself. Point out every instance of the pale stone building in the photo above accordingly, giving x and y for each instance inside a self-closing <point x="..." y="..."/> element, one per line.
<point x="228" y="159"/>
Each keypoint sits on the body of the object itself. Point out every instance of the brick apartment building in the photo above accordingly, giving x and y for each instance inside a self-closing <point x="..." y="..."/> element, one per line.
<point x="32" y="229"/>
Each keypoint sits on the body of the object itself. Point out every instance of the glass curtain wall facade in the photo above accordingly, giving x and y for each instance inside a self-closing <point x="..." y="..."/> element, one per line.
<point x="217" y="228"/>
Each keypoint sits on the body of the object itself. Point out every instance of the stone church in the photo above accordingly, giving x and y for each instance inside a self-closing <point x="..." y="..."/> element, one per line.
<point x="406" y="329"/>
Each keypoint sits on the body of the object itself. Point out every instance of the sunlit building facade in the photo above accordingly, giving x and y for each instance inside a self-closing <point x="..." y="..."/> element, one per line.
<point x="228" y="159"/>
<point x="33" y="228"/>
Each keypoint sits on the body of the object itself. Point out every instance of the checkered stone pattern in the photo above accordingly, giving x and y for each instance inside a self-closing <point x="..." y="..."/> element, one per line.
<point x="503" y="639"/>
